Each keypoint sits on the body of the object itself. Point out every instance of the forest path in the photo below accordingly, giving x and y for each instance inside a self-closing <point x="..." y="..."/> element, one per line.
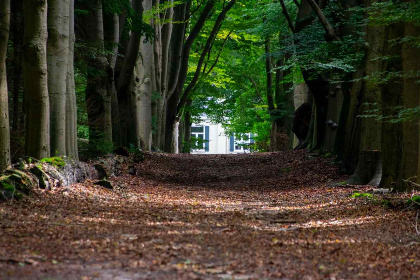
<point x="253" y="216"/>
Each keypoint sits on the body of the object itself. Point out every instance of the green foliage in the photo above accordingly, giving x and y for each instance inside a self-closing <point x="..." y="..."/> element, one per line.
<point x="358" y="195"/>
<point x="194" y="144"/>
<point x="414" y="201"/>
<point x="54" y="161"/>
<point x="398" y="114"/>
<point x="389" y="12"/>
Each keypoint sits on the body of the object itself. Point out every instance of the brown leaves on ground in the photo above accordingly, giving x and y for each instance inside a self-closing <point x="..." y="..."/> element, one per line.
<point x="253" y="216"/>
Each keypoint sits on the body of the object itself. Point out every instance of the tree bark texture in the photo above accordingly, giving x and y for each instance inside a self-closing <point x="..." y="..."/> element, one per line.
<point x="392" y="136"/>
<point x="37" y="105"/>
<point x="142" y="91"/>
<point x="124" y="82"/>
<point x="411" y="64"/>
<point x="112" y="37"/>
<point x="58" y="57"/>
<point x="4" y="108"/>
<point x="71" y="107"/>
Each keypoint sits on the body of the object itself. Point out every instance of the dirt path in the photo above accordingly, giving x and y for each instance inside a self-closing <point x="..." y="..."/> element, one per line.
<point x="261" y="216"/>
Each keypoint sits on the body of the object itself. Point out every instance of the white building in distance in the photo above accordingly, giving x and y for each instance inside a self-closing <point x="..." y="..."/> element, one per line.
<point x="216" y="141"/>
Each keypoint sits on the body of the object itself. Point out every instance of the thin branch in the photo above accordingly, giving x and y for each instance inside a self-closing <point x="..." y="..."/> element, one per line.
<point x="287" y="16"/>
<point x="219" y="54"/>
<point x="195" y="10"/>
<point x="210" y="40"/>
<point x="256" y="89"/>
<point x="330" y="33"/>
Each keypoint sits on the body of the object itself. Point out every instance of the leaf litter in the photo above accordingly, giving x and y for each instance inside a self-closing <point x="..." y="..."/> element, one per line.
<point x="247" y="216"/>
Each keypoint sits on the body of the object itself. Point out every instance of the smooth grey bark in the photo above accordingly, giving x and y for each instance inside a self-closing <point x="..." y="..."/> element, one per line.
<point x="37" y="105"/>
<point x="112" y="37"/>
<point x="142" y="91"/>
<point x="4" y="108"/>
<point x="57" y="57"/>
<point x="71" y="107"/>
<point x="172" y="27"/>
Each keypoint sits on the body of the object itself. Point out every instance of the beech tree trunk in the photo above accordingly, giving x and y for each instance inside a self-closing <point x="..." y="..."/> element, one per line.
<point x="58" y="59"/>
<point x="71" y="107"/>
<point x="411" y="64"/>
<point x="391" y="97"/>
<point x="142" y="92"/>
<point x="319" y="86"/>
<point x="166" y="35"/>
<point x="37" y="105"/>
<point x="112" y="36"/>
<point x="181" y="12"/>
<point x="370" y="128"/>
<point x="127" y="116"/>
<point x="187" y="128"/>
<point x="4" y="108"/>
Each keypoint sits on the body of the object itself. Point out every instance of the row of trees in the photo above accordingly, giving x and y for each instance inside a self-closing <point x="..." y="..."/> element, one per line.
<point x="359" y="65"/>
<point x="138" y="73"/>
<point x="131" y="59"/>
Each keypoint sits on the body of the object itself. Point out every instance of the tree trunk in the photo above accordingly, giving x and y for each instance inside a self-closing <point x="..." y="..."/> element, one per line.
<point x="165" y="42"/>
<point x="112" y="37"/>
<point x="269" y="95"/>
<point x="187" y="128"/>
<point x="143" y="91"/>
<point x="391" y="97"/>
<point x="181" y="13"/>
<point x="319" y="86"/>
<point x="124" y="82"/>
<point x="37" y="109"/>
<point x="4" y="108"/>
<point x="17" y="31"/>
<point x="370" y="127"/>
<point x="369" y="169"/>
<point x="175" y="95"/>
<point x="411" y="64"/>
<point x="98" y="98"/>
<point x="58" y="56"/>
<point x="71" y="107"/>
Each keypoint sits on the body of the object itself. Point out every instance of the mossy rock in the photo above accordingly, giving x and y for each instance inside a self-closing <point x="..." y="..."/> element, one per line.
<point x="24" y="182"/>
<point x="15" y="183"/>
<point x="41" y="175"/>
<point x="7" y="188"/>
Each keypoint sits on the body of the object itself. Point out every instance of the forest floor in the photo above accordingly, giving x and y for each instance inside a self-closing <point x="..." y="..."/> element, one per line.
<point x="253" y="216"/>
